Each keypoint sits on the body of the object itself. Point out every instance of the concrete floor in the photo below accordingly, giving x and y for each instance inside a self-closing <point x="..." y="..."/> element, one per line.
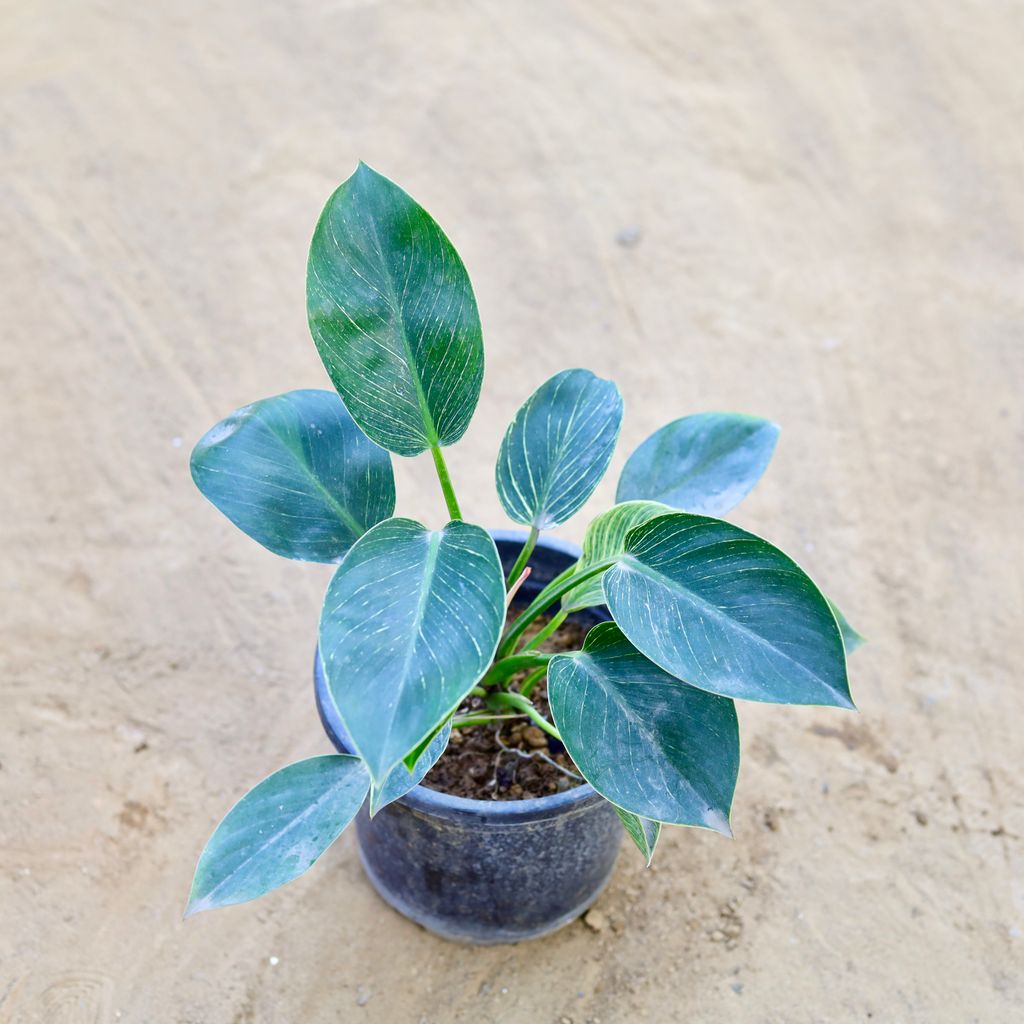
<point x="809" y="211"/>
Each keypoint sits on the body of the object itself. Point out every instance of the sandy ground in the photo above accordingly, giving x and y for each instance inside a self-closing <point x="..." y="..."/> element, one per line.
<point x="808" y="211"/>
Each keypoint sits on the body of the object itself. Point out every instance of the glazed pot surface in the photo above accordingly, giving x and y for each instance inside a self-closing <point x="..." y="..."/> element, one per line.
<point x="489" y="871"/>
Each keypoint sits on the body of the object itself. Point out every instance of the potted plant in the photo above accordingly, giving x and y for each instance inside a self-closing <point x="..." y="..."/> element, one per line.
<point x="595" y="686"/>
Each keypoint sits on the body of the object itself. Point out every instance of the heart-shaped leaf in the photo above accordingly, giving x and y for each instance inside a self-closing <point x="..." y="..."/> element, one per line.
<point x="278" y="829"/>
<point x="401" y="779"/>
<point x="644" y="740"/>
<point x="557" y="448"/>
<point x="295" y="473"/>
<point x="409" y="624"/>
<point x="704" y="464"/>
<point x="727" y="612"/>
<point x="393" y="316"/>
<point x="606" y="539"/>
<point x="644" y="832"/>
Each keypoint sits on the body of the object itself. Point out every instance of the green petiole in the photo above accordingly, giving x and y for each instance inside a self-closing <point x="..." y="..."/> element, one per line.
<point x="505" y="668"/>
<point x="446" y="483"/>
<point x="548" y="596"/>
<point x="524" y="556"/>
<point x="518" y="701"/>
<point x="543" y="634"/>
<point x="532" y="680"/>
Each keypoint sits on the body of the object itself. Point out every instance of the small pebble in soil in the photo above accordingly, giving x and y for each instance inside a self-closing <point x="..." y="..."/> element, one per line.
<point x="273" y="961"/>
<point x="535" y="737"/>
<point x="595" y="920"/>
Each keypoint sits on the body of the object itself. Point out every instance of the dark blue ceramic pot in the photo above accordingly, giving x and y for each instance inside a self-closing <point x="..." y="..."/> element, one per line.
<point x="489" y="871"/>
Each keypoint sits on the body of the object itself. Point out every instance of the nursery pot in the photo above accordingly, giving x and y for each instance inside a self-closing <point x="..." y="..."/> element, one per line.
<point x="489" y="871"/>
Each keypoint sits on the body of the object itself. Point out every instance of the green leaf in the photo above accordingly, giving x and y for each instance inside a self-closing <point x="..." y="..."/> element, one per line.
<point x="393" y="316"/>
<point x="557" y="448"/>
<point x="410" y="622"/>
<point x="727" y="612"/>
<point x="704" y="464"/>
<point x="295" y="473"/>
<point x="644" y="832"/>
<point x="606" y="539"/>
<point x="644" y="740"/>
<point x="402" y="779"/>
<point x="851" y="638"/>
<point x="278" y="830"/>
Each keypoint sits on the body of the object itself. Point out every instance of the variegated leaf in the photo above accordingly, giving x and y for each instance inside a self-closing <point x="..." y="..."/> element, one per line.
<point x="705" y="463"/>
<point x="727" y="612"/>
<point x="278" y="830"/>
<point x="410" y="622"/>
<point x="557" y="448"/>
<point x="295" y="473"/>
<point x="644" y="740"/>
<point x="393" y="316"/>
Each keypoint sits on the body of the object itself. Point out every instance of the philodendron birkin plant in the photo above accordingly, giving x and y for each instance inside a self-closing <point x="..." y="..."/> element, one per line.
<point x="413" y="625"/>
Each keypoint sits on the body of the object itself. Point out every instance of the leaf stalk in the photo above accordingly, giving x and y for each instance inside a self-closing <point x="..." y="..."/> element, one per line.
<point x="548" y="596"/>
<point x="520" y="703"/>
<point x="454" y="512"/>
<point x="524" y="556"/>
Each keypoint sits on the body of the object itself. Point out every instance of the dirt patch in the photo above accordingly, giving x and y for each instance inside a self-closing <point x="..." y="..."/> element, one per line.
<point x="830" y="227"/>
<point x="512" y="759"/>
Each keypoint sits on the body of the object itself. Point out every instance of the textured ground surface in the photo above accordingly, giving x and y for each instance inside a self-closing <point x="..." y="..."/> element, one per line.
<point x="808" y="211"/>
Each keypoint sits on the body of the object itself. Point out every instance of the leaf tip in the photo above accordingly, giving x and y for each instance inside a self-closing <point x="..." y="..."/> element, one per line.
<point x="374" y="804"/>
<point x="844" y="701"/>
<point x="718" y="821"/>
<point x="195" y="906"/>
<point x="365" y="171"/>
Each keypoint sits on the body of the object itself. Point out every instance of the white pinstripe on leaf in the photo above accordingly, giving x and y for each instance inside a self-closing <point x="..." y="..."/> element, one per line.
<point x="557" y="448"/>
<point x="392" y="313"/>
<point x="295" y="473"/>
<point x="410" y="622"/>
<point x="706" y="463"/>
<point x="727" y="612"/>
<point x="644" y="740"/>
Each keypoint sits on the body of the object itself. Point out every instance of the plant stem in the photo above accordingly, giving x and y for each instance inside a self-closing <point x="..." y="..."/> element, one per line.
<point x="543" y="634"/>
<point x="518" y="701"/>
<point x="506" y="667"/>
<point x="563" y="575"/>
<point x="481" y="718"/>
<point x="524" y="555"/>
<point x="446" y="483"/>
<point x="532" y="680"/>
<point x="548" y="596"/>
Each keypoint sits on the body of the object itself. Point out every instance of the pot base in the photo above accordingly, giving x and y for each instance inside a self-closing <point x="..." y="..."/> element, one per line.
<point x="494" y="936"/>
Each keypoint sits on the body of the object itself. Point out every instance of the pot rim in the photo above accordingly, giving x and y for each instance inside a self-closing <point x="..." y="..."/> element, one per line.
<point x="443" y="805"/>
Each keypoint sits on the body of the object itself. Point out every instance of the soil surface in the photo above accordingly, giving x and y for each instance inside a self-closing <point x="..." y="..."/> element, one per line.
<point x="511" y="760"/>
<point x="810" y="211"/>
